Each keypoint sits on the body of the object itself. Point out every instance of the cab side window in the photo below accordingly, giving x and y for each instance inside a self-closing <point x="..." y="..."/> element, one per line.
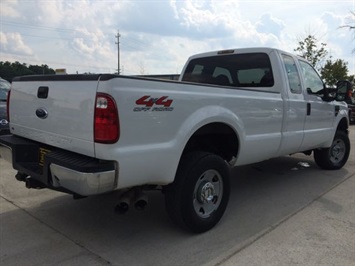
<point x="313" y="83"/>
<point x="294" y="80"/>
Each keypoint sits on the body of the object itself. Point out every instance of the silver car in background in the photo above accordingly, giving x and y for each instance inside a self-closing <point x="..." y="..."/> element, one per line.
<point x="4" y="90"/>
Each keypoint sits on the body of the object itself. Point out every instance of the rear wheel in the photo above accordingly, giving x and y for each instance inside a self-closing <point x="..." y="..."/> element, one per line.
<point x="198" y="197"/>
<point x="336" y="156"/>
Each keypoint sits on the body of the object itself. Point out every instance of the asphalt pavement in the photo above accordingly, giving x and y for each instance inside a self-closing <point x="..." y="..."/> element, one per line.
<point x="322" y="233"/>
<point x="284" y="211"/>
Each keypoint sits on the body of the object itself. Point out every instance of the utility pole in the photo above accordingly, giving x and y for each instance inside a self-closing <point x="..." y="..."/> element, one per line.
<point x="118" y="52"/>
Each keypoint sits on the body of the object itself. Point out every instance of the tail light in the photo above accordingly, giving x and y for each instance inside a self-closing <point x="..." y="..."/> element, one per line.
<point x="8" y="106"/>
<point x="350" y="93"/>
<point x="106" y="122"/>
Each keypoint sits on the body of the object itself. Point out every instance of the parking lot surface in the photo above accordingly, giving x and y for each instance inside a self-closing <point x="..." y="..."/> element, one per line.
<point x="284" y="211"/>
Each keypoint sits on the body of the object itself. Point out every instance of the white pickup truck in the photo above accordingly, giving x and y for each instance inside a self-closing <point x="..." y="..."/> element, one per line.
<point x="93" y="134"/>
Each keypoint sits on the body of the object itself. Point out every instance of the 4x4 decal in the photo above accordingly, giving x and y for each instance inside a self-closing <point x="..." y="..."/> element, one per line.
<point x="154" y="104"/>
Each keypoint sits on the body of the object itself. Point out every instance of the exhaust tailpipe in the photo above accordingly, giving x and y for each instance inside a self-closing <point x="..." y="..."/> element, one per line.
<point x="125" y="201"/>
<point x="33" y="183"/>
<point x="21" y="176"/>
<point x="134" y="195"/>
<point x="122" y="207"/>
<point x="141" y="201"/>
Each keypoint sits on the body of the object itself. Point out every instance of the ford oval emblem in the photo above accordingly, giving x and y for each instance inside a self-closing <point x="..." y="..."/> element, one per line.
<point x="3" y="122"/>
<point x="41" y="113"/>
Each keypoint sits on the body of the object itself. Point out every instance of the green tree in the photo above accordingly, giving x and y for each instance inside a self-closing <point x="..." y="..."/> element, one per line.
<point x="41" y="70"/>
<point x="351" y="78"/>
<point x="332" y="72"/>
<point x="308" y="49"/>
<point x="10" y="70"/>
<point x="21" y="69"/>
<point x="6" y="71"/>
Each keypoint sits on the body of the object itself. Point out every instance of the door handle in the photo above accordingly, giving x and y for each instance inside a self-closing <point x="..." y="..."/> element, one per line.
<point x="308" y="109"/>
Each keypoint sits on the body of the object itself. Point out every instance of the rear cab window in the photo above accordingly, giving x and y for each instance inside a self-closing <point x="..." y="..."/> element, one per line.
<point x="250" y="70"/>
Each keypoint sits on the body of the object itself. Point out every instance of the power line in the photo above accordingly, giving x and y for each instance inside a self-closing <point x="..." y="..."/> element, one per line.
<point x="130" y="42"/>
<point x="133" y="42"/>
<point x="45" y="37"/>
<point x="23" y="25"/>
<point x="58" y="30"/>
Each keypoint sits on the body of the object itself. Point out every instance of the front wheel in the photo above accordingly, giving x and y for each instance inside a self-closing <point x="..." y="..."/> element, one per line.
<point x="336" y="156"/>
<point x="198" y="197"/>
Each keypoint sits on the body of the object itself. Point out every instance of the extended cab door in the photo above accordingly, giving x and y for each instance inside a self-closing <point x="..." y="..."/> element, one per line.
<point x="318" y="125"/>
<point x="295" y="111"/>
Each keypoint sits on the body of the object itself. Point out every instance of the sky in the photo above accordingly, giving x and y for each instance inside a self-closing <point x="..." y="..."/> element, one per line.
<point x="157" y="37"/>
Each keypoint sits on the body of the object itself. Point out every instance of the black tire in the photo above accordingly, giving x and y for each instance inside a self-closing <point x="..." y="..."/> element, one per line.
<point x="198" y="197"/>
<point x="336" y="156"/>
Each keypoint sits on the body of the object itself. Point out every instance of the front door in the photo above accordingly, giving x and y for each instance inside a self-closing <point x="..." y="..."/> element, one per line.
<point x="318" y="126"/>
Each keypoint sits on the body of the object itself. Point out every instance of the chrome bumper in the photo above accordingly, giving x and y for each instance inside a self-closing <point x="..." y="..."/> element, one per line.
<point x="6" y="153"/>
<point x="84" y="184"/>
<point x="59" y="170"/>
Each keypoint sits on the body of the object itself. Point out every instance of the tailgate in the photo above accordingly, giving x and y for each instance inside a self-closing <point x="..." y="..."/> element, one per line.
<point x="57" y="110"/>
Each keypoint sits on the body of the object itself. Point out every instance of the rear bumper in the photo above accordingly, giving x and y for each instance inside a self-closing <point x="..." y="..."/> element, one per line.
<point x="4" y="130"/>
<point x="59" y="169"/>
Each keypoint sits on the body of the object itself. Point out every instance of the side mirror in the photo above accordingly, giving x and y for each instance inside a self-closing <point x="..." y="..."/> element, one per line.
<point x="329" y="94"/>
<point x="343" y="90"/>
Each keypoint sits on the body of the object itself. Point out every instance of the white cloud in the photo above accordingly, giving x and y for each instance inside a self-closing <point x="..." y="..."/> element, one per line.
<point x="206" y="19"/>
<point x="8" y="9"/>
<point x="160" y="35"/>
<point x="270" y="24"/>
<point x="13" y="43"/>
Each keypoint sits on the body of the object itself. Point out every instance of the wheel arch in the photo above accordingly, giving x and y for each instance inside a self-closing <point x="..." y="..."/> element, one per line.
<point x="213" y="129"/>
<point x="343" y="125"/>
<point x="215" y="137"/>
